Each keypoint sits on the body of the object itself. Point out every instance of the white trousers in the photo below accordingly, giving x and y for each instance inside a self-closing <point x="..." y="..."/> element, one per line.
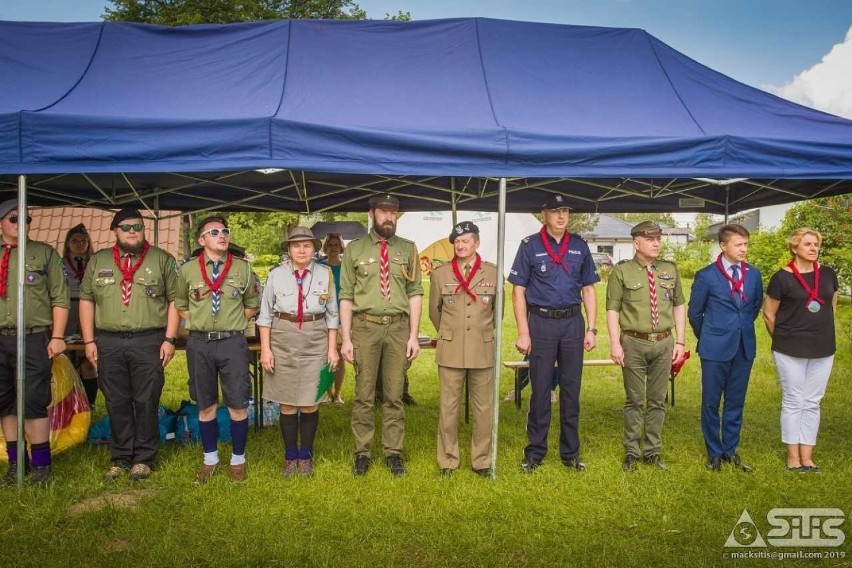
<point x="803" y="383"/>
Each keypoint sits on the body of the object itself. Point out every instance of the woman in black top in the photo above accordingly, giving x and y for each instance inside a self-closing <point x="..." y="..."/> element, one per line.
<point x="799" y="314"/>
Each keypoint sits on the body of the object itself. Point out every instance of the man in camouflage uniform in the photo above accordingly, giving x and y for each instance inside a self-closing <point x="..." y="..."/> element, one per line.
<point x="644" y="301"/>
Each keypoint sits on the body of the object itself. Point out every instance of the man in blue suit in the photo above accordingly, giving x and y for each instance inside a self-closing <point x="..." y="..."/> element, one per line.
<point x="725" y="300"/>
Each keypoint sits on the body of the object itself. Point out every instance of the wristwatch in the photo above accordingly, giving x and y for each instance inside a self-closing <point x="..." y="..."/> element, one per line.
<point x="594" y="330"/>
<point x="171" y="340"/>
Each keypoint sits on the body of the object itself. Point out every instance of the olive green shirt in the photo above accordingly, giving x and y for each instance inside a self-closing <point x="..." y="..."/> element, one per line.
<point x="154" y="287"/>
<point x="628" y="294"/>
<point x="44" y="287"/>
<point x="359" y="275"/>
<point x="239" y="292"/>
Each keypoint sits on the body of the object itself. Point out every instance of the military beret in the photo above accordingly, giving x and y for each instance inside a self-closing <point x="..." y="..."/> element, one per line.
<point x="123" y="215"/>
<point x="462" y="228"/>
<point x="646" y="229"/>
<point x="7" y="206"/>
<point x="554" y="201"/>
<point x="384" y="200"/>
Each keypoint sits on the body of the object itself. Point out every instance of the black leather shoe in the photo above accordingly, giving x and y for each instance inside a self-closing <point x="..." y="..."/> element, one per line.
<point x="714" y="464"/>
<point x="483" y="472"/>
<point x="737" y="462"/>
<point x="41" y="475"/>
<point x="796" y="469"/>
<point x="656" y="461"/>
<point x="629" y="463"/>
<point x="810" y="469"/>
<point x="575" y="463"/>
<point x="529" y="465"/>
<point x="408" y="400"/>
<point x="362" y="464"/>
<point x="447" y="472"/>
<point x="395" y="465"/>
<point x="11" y="477"/>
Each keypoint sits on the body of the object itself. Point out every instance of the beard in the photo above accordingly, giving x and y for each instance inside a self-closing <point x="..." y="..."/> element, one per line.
<point x="385" y="231"/>
<point x="131" y="249"/>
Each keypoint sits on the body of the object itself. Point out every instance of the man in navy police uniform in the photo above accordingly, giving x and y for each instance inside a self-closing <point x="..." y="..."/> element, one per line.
<point x="553" y="274"/>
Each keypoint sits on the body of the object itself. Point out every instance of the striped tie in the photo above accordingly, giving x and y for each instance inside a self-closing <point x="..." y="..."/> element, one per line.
<point x="384" y="271"/>
<point x="655" y="310"/>
<point x="735" y="274"/>
<point x="126" y="285"/>
<point x="216" y="296"/>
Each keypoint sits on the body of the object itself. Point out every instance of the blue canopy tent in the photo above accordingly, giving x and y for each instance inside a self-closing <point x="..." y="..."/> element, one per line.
<point x="316" y="115"/>
<point x="181" y="118"/>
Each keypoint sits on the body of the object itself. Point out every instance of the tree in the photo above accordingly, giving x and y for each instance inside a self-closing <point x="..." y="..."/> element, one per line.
<point x="185" y="12"/>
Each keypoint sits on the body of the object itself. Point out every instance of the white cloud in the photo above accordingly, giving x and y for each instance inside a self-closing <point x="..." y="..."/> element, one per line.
<point x="826" y="86"/>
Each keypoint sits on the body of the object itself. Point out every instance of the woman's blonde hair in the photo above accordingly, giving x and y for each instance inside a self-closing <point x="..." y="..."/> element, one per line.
<point x="797" y="236"/>
<point x="332" y="237"/>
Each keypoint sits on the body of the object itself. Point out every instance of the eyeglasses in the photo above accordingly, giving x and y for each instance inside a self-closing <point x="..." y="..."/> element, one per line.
<point x="14" y="219"/>
<point x="135" y="226"/>
<point x="216" y="232"/>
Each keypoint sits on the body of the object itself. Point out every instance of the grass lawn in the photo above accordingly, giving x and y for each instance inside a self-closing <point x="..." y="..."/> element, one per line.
<point x="556" y="517"/>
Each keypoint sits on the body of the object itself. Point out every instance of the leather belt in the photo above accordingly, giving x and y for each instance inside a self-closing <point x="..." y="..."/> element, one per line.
<point x="214" y="335"/>
<point x="27" y="331"/>
<point x="556" y="313"/>
<point x="131" y="334"/>
<point x="647" y="336"/>
<point x="293" y="318"/>
<point x="384" y="320"/>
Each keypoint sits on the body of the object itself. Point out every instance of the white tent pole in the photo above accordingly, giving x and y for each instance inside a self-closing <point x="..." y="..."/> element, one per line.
<point x="21" y="367"/>
<point x="498" y="321"/>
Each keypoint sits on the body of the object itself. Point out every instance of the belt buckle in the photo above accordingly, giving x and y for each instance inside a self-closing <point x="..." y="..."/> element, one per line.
<point x="386" y="320"/>
<point x="212" y="335"/>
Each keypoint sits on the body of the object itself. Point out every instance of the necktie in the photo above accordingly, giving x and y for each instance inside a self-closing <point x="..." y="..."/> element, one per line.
<point x="126" y="284"/>
<point x="300" y="307"/>
<point x="735" y="274"/>
<point x="216" y="296"/>
<point x="4" y="269"/>
<point x="655" y="310"/>
<point x="466" y="271"/>
<point x="384" y="271"/>
<point x="79" y="262"/>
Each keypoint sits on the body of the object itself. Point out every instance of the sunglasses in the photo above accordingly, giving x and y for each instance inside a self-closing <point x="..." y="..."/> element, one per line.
<point x="135" y="226"/>
<point x="14" y="219"/>
<point x="216" y="232"/>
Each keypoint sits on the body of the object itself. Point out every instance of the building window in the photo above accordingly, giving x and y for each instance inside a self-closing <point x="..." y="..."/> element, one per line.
<point x="608" y="249"/>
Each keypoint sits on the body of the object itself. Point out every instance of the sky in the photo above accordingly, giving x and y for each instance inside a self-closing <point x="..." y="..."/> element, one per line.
<point x="793" y="48"/>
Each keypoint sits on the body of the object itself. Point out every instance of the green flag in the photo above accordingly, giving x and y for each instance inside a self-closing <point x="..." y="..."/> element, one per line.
<point x="326" y="378"/>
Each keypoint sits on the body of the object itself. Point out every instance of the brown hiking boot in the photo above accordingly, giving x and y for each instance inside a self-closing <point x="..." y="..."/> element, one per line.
<point x="205" y="473"/>
<point x="114" y="472"/>
<point x="306" y="467"/>
<point x="238" y="473"/>
<point x="290" y="467"/>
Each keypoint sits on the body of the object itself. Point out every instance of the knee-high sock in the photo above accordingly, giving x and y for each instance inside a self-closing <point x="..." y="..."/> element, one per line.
<point x="41" y="454"/>
<point x="239" y="437"/>
<point x="12" y="450"/>
<point x="209" y="435"/>
<point x="289" y="424"/>
<point x="308" y="422"/>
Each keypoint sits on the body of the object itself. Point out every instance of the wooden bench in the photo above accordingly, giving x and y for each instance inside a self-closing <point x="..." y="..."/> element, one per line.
<point x="518" y="365"/>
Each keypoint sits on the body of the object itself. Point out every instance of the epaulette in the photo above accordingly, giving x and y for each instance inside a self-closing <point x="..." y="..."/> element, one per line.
<point x="623" y="261"/>
<point x="489" y="263"/>
<point x="526" y="240"/>
<point x="184" y="261"/>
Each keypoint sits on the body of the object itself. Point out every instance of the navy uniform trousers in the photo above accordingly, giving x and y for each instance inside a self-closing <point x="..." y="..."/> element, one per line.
<point x="555" y="341"/>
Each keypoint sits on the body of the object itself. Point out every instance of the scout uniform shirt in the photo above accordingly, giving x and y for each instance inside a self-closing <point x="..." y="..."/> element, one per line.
<point x="359" y="275"/>
<point x="239" y="292"/>
<point x="154" y="286"/>
<point x="465" y="326"/>
<point x="44" y="287"/>
<point x="281" y="294"/>
<point x="627" y="293"/>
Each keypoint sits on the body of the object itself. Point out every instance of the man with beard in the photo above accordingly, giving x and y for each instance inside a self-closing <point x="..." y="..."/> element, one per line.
<point x="46" y="298"/>
<point x="461" y="307"/>
<point x="217" y="294"/>
<point x="128" y="322"/>
<point x="380" y="303"/>
<point x="553" y="274"/>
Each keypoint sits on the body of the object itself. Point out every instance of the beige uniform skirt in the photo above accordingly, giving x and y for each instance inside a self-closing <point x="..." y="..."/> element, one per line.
<point x="299" y="356"/>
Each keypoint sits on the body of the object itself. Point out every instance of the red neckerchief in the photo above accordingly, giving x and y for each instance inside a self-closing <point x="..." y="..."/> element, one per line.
<point x="300" y="309"/>
<point x="69" y="262"/>
<point x="812" y="293"/>
<point x="465" y="284"/>
<point x="4" y="269"/>
<point x="557" y="259"/>
<point x="736" y="285"/>
<point x="127" y="275"/>
<point x="217" y="285"/>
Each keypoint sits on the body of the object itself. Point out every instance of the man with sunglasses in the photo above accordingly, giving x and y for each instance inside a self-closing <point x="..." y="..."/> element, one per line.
<point x="217" y="294"/>
<point x="47" y="300"/>
<point x="129" y="322"/>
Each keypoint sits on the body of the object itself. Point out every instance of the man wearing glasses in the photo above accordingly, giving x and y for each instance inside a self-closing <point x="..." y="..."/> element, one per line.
<point x="128" y="322"/>
<point x="217" y="295"/>
<point x="47" y="300"/>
